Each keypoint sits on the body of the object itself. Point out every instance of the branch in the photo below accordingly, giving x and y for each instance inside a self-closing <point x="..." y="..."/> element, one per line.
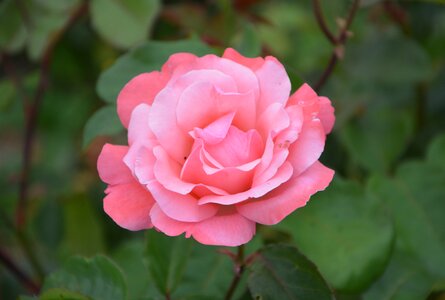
<point x="239" y="270"/>
<point x="21" y="276"/>
<point x="340" y="41"/>
<point x="31" y="116"/>
<point x="321" y="22"/>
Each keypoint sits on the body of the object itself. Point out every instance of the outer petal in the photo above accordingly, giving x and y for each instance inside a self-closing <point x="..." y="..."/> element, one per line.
<point x="129" y="206"/>
<point x="252" y="63"/>
<point x="302" y="95"/>
<point x="166" y="224"/>
<point x="138" y="128"/>
<point x="308" y="147"/>
<point x="176" y="60"/>
<point x="179" y="207"/>
<point x="276" y="205"/>
<point x="141" y="89"/>
<point x="326" y="114"/>
<point x="111" y="167"/>
<point x="274" y="83"/>
<point x="224" y="230"/>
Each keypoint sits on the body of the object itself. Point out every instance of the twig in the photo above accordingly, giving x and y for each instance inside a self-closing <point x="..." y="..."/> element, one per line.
<point x="239" y="270"/>
<point x="21" y="276"/>
<point x="338" y="41"/>
<point x="321" y="22"/>
<point x="31" y="116"/>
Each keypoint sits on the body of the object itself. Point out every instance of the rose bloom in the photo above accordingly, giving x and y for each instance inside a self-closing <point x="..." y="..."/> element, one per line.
<point x="215" y="145"/>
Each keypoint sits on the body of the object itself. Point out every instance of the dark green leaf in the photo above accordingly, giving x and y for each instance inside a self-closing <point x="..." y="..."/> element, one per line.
<point x="97" y="278"/>
<point x="146" y="58"/>
<point x="416" y="198"/>
<point x="124" y="23"/>
<point x="103" y="122"/>
<point x="8" y="93"/>
<point x="404" y="279"/>
<point x="345" y="233"/>
<point x="167" y="259"/>
<point x="130" y="258"/>
<point x="281" y="272"/>
<point x="248" y="42"/>
<point x="376" y="140"/>
<point x="411" y="64"/>
<point x="13" y="34"/>
<point x="436" y="151"/>
<point x="62" y="294"/>
<point x="85" y="237"/>
<point x="46" y="20"/>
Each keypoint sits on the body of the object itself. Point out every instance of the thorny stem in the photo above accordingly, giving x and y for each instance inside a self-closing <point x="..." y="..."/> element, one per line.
<point x="338" y="41"/>
<point x="240" y="264"/>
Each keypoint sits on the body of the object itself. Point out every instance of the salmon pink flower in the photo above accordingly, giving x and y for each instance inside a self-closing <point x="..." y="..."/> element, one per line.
<point x="215" y="145"/>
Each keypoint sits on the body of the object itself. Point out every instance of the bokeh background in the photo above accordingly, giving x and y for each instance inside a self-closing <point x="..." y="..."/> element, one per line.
<point x="378" y="232"/>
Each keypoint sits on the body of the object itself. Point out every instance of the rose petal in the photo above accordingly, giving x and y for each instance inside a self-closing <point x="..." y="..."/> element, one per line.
<point x="162" y="122"/>
<point x="237" y="148"/>
<point x="244" y="77"/>
<point x="138" y="128"/>
<point x="176" y="60"/>
<point x="302" y="95"/>
<point x="230" y="179"/>
<point x="179" y="207"/>
<point x="276" y="205"/>
<point x="224" y="230"/>
<point x="273" y="120"/>
<point x="216" y="131"/>
<point x="326" y="114"/>
<point x="129" y="205"/>
<point x="283" y="174"/>
<point x="308" y="147"/>
<point x="167" y="172"/>
<point x="141" y="89"/>
<point x="252" y="63"/>
<point x="274" y="83"/>
<point x="166" y="224"/>
<point x="111" y="167"/>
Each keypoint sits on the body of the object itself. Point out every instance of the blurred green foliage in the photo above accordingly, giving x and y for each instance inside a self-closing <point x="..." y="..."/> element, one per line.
<point x="378" y="232"/>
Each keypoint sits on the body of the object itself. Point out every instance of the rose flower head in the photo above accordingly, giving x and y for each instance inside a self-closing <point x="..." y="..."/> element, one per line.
<point x="215" y="145"/>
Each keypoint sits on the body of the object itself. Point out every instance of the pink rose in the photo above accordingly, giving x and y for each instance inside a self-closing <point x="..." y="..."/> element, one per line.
<point x="215" y="145"/>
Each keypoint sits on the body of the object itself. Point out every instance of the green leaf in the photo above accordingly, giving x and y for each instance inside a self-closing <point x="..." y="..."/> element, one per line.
<point x="85" y="237"/>
<point x="124" y="23"/>
<point x="416" y="198"/>
<point x="12" y="28"/>
<point x="436" y="151"/>
<point x="62" y="294"/>
<point x="46" y="20"/>
<point x="247" y="42"/>
<point x="345" y="233"/>
<point x="103" y="122"/>
<point x="146" y="58"/>
<point x="8" y="93"/>
<point x="281" y="272"/>
<point x="404" y="279"/>
<point x="411" y="64"/>
<point x="97" y="278"/>
<point x="213" y="278"/>
<point x="167" y="259"/>
<point x="377" y="139"/>
<point x="130" y="258"/>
